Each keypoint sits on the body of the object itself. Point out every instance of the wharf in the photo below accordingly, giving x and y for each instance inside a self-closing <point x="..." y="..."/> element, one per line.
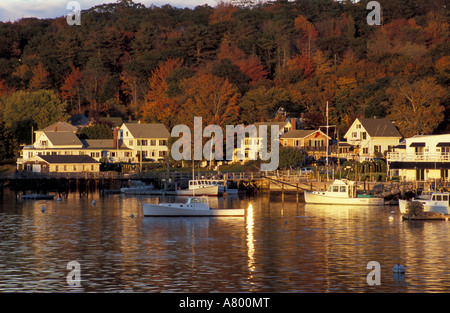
<point x="250" y="182"/>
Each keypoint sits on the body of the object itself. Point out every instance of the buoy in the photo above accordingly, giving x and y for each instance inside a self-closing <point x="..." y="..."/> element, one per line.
<point x="131" y="215"/>
<point x="58" y="199"/>
<point x="43" y="209"/>
<point x="93" y="202"/>
<point x="398" y="268"/>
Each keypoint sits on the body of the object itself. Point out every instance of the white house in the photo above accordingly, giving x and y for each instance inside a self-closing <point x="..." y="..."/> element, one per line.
<point x="148" y="140"/>
<point x="372" y="136"/>
<point x="60" y="139"/>
<point x="421" y="158"/>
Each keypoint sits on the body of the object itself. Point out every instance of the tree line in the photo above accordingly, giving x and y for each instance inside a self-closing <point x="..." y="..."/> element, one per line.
<point x="237" y="62"/>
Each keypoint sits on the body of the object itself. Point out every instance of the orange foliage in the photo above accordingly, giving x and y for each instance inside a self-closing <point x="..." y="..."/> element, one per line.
<point x="223" y="12"/>
<point x="159" y="107"/>
<point x="211" y="97"/>
<point x="39" y="79"/>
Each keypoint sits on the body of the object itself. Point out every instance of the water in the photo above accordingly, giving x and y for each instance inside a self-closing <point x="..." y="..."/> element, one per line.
<point x="279" y="246"/>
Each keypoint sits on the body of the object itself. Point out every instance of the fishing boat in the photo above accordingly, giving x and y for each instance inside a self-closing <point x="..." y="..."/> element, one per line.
<point x="342" y="191"/>
<point x="137" y="187"/>
<point x="199" y="187"/>
<point x="194" y="206"/>
<point x="439" y="202"/>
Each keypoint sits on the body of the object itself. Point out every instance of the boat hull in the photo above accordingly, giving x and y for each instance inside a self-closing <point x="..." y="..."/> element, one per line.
<point x="166" y="210"/>
<point x="204" y="191"/>
<point x="315" y="198"/>
<point x="428" y="206"/>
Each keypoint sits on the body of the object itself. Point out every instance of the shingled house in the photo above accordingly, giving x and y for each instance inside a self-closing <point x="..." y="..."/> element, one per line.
<point x="372" y="137"/>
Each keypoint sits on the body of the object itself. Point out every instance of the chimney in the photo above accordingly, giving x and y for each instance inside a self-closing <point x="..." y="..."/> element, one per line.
<point x="116" y="137"/>
<point x="56" y="128"/>
<point x="294" y="123"/>
<point x="129" y="118"/>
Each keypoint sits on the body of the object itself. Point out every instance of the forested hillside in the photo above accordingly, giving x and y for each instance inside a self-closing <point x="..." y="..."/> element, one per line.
<point x="229" y="64"/>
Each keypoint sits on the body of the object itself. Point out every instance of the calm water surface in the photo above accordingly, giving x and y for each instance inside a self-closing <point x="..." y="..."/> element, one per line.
<point x="279" y="246"/>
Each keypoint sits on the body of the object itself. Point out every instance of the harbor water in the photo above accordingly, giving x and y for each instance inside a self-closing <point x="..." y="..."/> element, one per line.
<point x="280" y="246"/>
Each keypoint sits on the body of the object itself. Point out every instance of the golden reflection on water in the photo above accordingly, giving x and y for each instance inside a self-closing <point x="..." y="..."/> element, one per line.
<point x="250" y="241"/>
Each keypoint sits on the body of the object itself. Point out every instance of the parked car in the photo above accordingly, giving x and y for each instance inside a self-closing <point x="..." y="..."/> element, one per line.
<point x="305" y="171"/>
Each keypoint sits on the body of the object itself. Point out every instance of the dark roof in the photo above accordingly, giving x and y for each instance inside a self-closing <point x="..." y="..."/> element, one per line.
<point x="63" y="138"/>
<point x="379" y="127"/>
<point x="148" y="130"/>
<point x="60" y="127"/>
<point x="75" y="159"/>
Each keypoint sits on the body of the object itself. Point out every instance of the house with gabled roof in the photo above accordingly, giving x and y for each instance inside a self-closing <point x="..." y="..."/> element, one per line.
<point x="59" y="139"/>
<point x="372" y="137"/>
<point x="148" y="140"/>
<point x="61" y="164"/>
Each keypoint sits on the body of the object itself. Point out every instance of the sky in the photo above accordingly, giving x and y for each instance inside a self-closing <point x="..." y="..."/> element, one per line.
<point x="12" y="10"/>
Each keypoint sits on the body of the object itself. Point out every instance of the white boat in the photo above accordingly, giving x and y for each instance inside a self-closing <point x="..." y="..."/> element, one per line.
<point x="342" y="191"/>
<point x="439" y="202"/>
<point x="199" y="187"/>
<point x="194" y="206"/>
<point x="137" y="187"/>
<point x="425" y="195"/>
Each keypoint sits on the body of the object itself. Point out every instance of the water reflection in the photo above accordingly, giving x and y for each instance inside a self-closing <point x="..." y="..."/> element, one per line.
<point x="250" y="243"/>
<point x="279" y="246"/>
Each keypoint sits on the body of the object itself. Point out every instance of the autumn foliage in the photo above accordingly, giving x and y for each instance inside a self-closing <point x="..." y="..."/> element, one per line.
<point x="238" y="63"/>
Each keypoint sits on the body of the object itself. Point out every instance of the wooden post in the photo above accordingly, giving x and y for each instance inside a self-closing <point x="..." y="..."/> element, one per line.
<point x="297" y="192"/>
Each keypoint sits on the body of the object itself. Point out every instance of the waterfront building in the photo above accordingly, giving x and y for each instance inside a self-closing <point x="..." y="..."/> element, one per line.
<point x="147" y="140"/>
<point x="372" y="137"/>
<point x="129" y="142"/>
<point x="314" y="142"/>
<point x="421" y="158"/>
<point x="61" y="164"/>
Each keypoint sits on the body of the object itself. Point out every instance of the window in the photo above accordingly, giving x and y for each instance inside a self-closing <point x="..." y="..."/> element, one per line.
<point x="363" y="135"/>
<point x="365" y="150"/>
<point x="444" y="198"/>
<point x="130" y="142"/>
<point x="438" y="198"/>
<point x="44" y="143"/>
<point x="335" y="188"/>
<point x="162" y="153"/>
<point x="153" y="142"/>
<point x="354" y="134"/>
<point x="343" y="189"/>
<point x="377" y="148"/>
<point x="358" y="126"/>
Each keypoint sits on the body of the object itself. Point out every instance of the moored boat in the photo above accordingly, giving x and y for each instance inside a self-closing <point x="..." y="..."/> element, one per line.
<point x="439" y="202"/>
<point x="199" y="188"/>
<point x="137" y="187"/>
<point x="194" y="206"/>
<point x="344" y="192"/>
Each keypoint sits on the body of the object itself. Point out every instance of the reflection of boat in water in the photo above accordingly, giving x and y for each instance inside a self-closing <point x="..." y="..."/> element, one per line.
<point x="199" y="187"/>
<point x="35" y="196"/>
<point x="194" y="206"/>
<point x="137" y="187"/>
<point x="342" y="191"/>
<point x="437" y="207"/>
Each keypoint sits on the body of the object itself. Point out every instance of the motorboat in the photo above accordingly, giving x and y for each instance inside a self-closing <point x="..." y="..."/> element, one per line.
<point x="425" y="195"/>
<point x="199" y="187"/>
<point x="194" y="206"/>
<point x="138" y="187"/>
<point x="342" y="191"/>
<point x="439" y="202"/>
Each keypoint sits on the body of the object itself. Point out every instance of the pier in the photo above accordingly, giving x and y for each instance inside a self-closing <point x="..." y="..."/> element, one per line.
<point x="250" y="182"/>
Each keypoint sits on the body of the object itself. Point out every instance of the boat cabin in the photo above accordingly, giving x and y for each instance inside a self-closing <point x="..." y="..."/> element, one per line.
<point x="342" y="189"/>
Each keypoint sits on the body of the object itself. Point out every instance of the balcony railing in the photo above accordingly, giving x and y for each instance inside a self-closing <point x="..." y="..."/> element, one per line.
<point x="418" y="157"/>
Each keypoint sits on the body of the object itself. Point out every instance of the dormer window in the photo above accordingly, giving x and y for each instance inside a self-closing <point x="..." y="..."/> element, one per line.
<point x="358" y="126"/>
<point x="44" y="143"/>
